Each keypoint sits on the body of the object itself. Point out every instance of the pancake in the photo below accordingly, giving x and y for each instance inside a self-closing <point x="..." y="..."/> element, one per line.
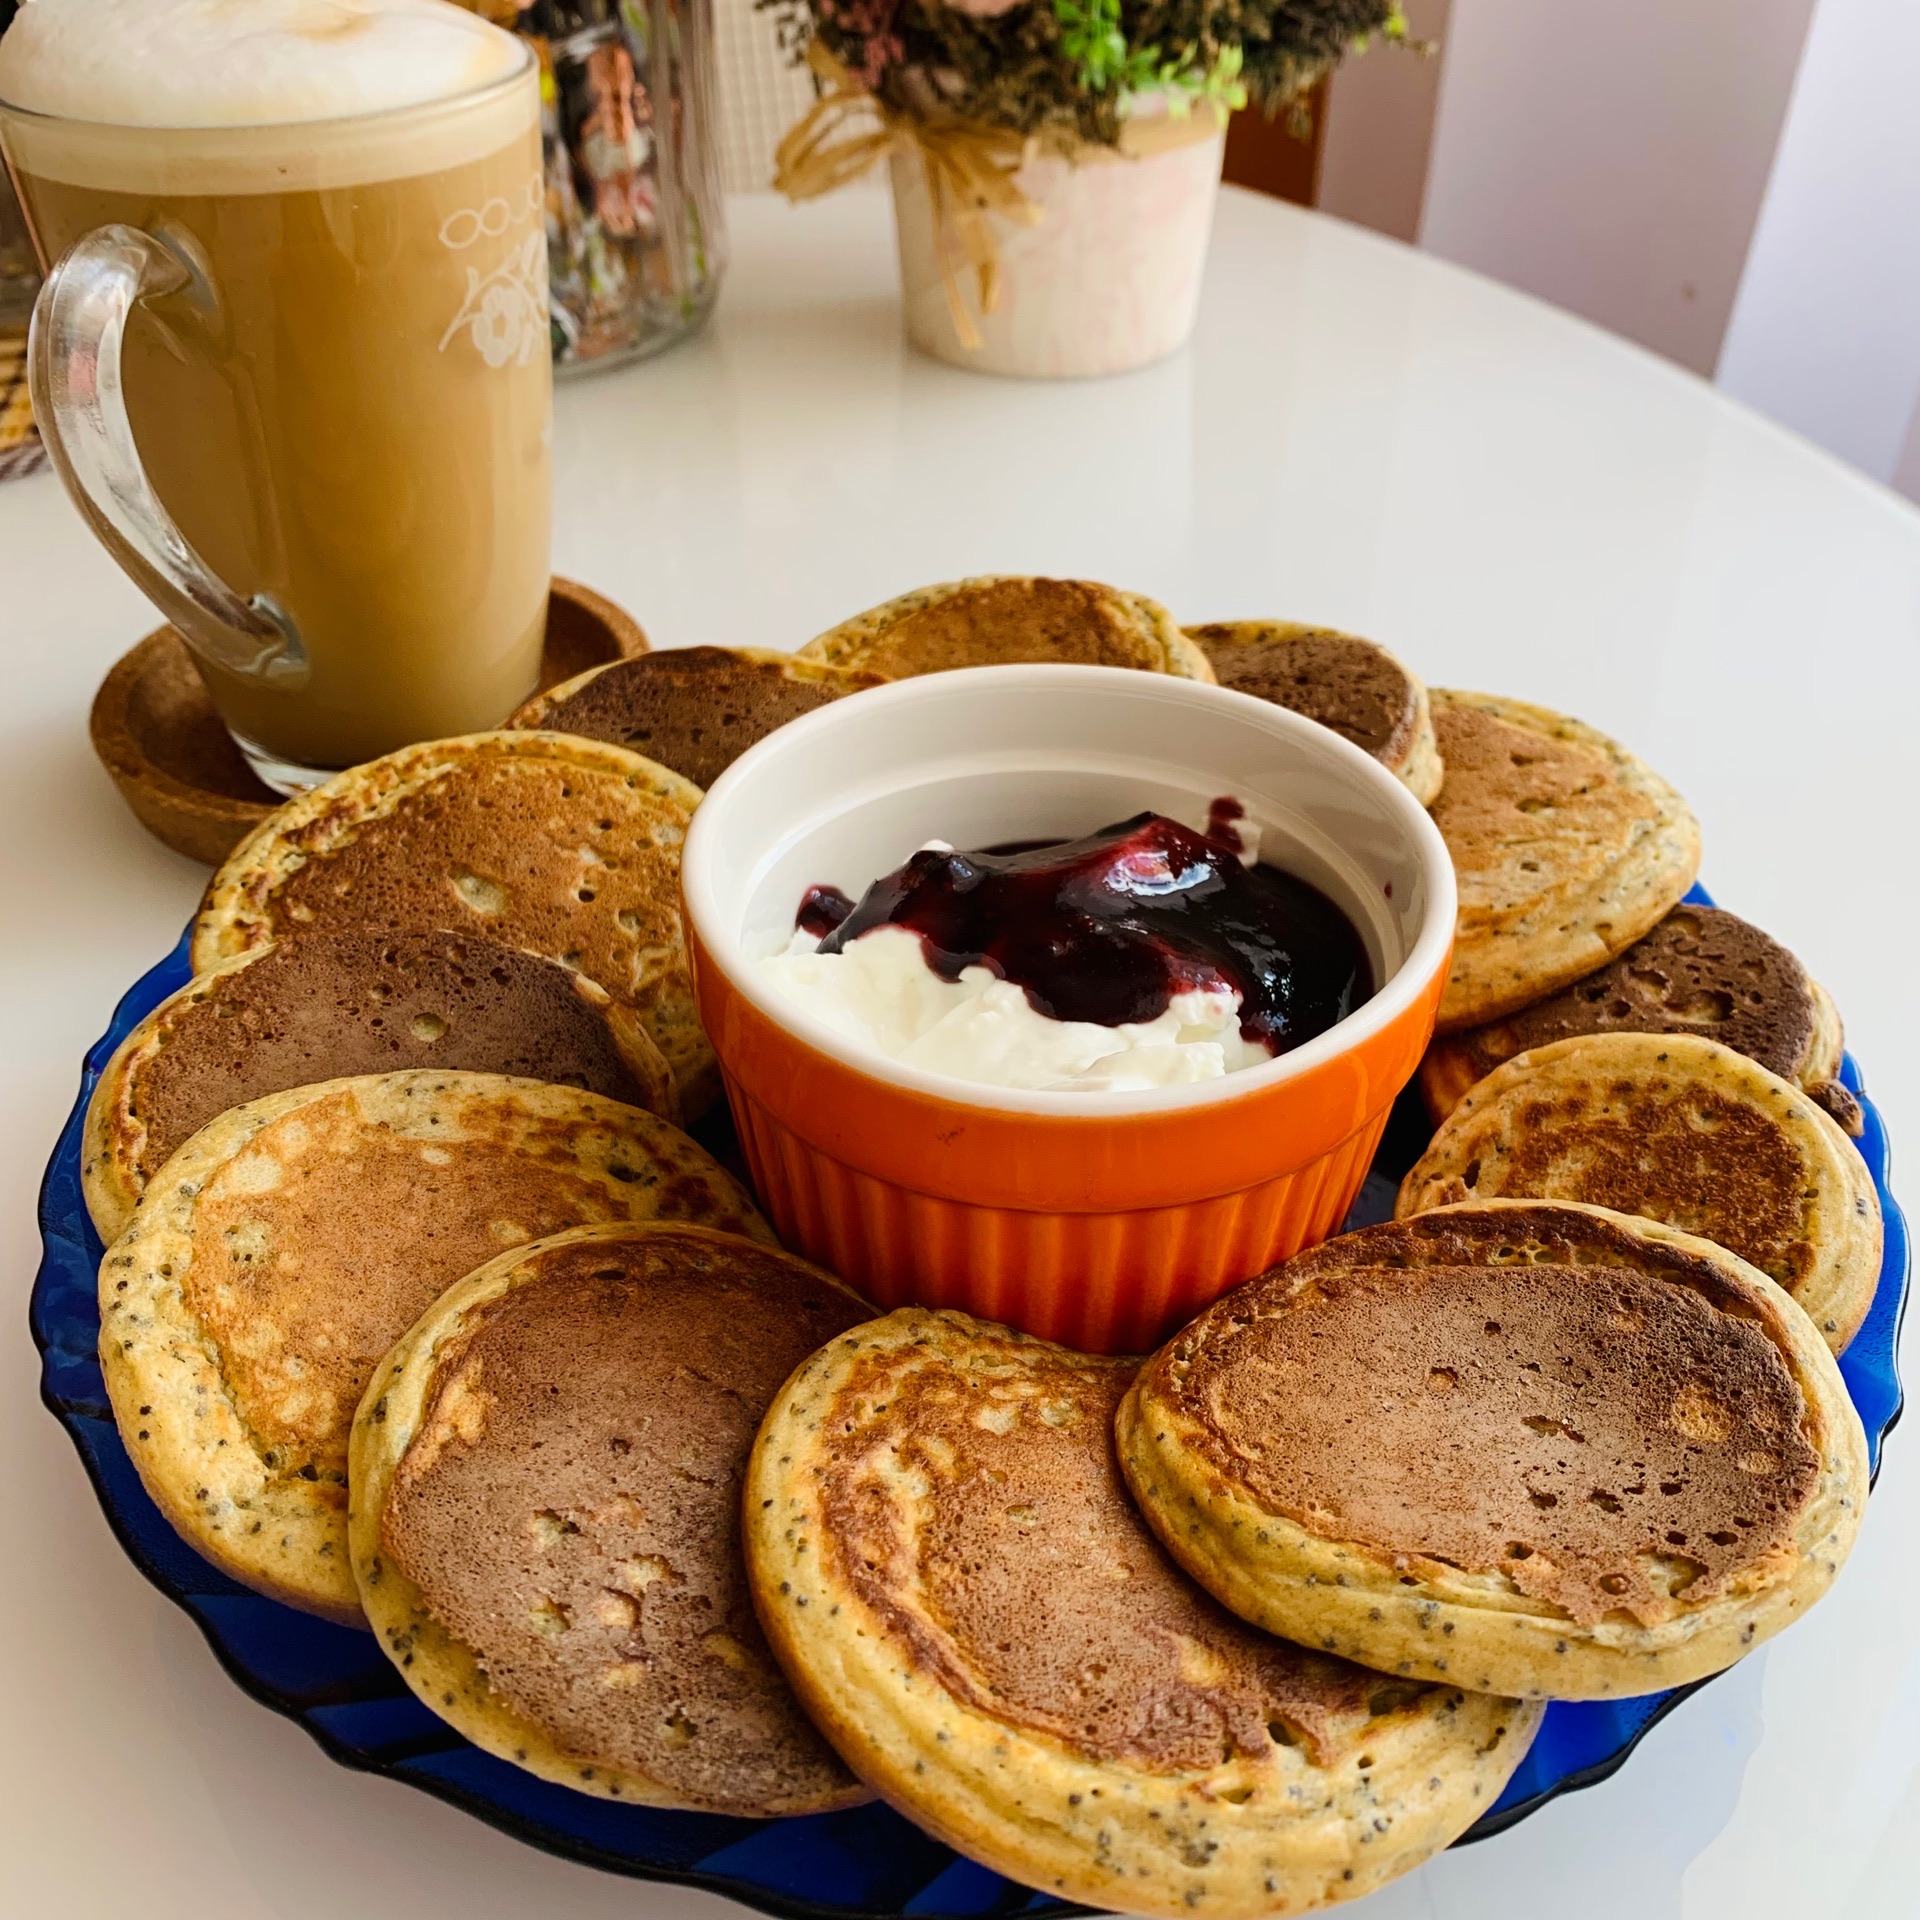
<point x="694" y="709"/>
<point x="1358" y="689"/>
<point x="1700" y="971"/>
<point x="1000" y="619"/>
<point x="1567" y="849"/>
<point x="949" y="1569"/>
<point x="324" y="1006"/>
<point x="546" y="1514"/>
<point x="1679" y="1130"/>
<point x="281" y="1252"/>
<point x="568" y="848"/>
<point x="1538" y="1449"/>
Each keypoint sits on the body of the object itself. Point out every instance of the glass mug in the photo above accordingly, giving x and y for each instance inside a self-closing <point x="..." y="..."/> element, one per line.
<point x="297" y="379"/>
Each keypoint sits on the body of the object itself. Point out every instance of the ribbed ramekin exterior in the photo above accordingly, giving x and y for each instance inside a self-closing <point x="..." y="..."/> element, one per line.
<point x="1104" y="1231"/>
<point x="1100" y="1222"/>
<point x="1103" y="1282"/>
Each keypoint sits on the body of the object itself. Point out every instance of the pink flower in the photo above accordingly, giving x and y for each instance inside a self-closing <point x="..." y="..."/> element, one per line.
<point x="870" y="24"/>
<point x="984" y="9"/>
<point x="882" y="51"/>
<point x="867" y="19"/>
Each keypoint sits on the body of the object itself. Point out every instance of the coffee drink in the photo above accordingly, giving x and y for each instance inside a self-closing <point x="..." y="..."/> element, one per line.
<point x="343" y="402"/>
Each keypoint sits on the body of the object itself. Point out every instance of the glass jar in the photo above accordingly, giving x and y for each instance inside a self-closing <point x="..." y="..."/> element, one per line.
<point x="19" y="271"/>
<point x="20" y="449"/>
<point x="636" y="229"/>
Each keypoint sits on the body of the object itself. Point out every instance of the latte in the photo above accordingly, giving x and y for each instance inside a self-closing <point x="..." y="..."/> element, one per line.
<point x="344" y="401"/>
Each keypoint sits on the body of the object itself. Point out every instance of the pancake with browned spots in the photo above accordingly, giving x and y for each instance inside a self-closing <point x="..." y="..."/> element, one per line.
<point x="999" y="620"/>
<point x="1683" y="1131"/>
<point x="1566" y="848"/>
<point x="288" y="1244"/>
<point x="1524" y="1446"/>
<point x="546" y="1514"/>
<point x="949" y="1568"/>
<point x="324" y="1006"/>
<point x="568" y="848"/>
<point x="694" y="709"/>
<point x="1351" y="685"/>
<point x="1700" y="971"/>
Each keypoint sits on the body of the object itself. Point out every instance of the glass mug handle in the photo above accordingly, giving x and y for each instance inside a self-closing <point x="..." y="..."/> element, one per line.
<point x="73" y="376"/>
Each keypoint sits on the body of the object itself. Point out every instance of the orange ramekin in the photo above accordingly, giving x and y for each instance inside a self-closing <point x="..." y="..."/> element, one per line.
<point x="1101" y="1220"/>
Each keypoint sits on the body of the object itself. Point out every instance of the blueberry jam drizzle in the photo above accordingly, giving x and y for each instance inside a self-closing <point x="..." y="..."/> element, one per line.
<point x="821" y="910"/>
<point x="1109" y="928"/>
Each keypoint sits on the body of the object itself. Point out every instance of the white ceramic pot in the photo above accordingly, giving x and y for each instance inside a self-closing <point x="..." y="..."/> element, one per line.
<point x="1109" y="279"/>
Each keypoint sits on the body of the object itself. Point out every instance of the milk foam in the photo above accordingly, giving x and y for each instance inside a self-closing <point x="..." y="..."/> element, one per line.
<point x="244" y="63"/>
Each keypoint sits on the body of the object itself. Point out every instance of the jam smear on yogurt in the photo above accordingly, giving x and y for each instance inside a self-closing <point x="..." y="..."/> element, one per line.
<point x="1108" y="929"/>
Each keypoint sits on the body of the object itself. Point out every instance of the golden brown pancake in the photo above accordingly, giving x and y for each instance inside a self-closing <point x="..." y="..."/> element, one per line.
<point x="1521" y="1446"/>
<point x="1680" y="1130"/>
<point x="1565" y="846"/>
<point x="568" y="848"/>
<point x="1700" y="971"/>
<point x="546" y="1514"/>
<point x="324" y="1006"/>
<point x="1351" y="685"/>
<point x="968" y="1604"/>
<point x="694" y="709"/>
<point x="281" y="1252"/>
<point x="999" y="620"/>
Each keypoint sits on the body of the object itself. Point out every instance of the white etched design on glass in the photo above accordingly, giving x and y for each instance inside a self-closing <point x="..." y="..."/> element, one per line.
<point x="469" y="225"/>
<point x="505" y="311"/>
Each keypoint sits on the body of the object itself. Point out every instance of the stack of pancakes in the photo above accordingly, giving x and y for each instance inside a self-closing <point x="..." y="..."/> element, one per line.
<point x="696" y="709"/>
<point x="1602" y="1040"/>
<point x="420" y="1312"/>
<point x="418" y="1109"/>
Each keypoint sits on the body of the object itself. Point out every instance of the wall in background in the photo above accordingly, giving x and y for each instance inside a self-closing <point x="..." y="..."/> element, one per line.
<point x="1378" y="132"/>
<point x="1613" y="159"/>
<point x="761" y="93"/>
<point x="1733" y="183"/>
<point x="1906" y="473"/>
<point x="1825" y="335"/>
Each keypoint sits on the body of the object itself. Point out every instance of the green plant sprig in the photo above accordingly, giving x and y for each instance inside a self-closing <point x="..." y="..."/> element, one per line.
<point x="1094" y="38"/>
<point x="1069" y="68"/>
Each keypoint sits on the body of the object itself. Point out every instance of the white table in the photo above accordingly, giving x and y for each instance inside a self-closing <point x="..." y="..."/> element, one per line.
<point x="1359" y="436"/>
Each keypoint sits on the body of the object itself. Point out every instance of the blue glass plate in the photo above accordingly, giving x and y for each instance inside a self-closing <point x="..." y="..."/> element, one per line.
<point x="868" y="1861"/>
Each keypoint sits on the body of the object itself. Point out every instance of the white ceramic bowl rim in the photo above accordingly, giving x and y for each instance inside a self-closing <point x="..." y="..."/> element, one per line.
<point x="723" y="943"/>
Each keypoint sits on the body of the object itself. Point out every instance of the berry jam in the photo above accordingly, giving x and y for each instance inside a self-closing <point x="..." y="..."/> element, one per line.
<point x="1109" y="928"/>
<point x="821" y="910"/>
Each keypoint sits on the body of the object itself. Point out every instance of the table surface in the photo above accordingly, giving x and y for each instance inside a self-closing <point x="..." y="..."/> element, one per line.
<point x="1359" y="436"/>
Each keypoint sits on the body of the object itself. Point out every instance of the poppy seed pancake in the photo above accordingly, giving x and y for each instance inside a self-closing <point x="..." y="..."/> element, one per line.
<point x="546" y="1514"/>
<point x="1680" y="1130"/>
<point x="565" y="847"/>
<point x="948" y="1567"/>
<point x="1351" y="685"/>
<point x="326" y="1006"/>
<point x="1700" y="971"/>
<point x="286" y="1246"/>
<point x="1530" y="1447"/>
<point x="1565" y="846"/>
<point x="694" y="709"/>
<point x="998" y="620"/>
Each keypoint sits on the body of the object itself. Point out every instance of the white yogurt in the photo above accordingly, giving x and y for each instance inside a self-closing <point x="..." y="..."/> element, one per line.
<point x="880" y="993"/>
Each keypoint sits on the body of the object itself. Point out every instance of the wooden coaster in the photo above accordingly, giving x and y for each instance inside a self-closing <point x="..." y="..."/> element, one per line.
<point x="156" y="731"/>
